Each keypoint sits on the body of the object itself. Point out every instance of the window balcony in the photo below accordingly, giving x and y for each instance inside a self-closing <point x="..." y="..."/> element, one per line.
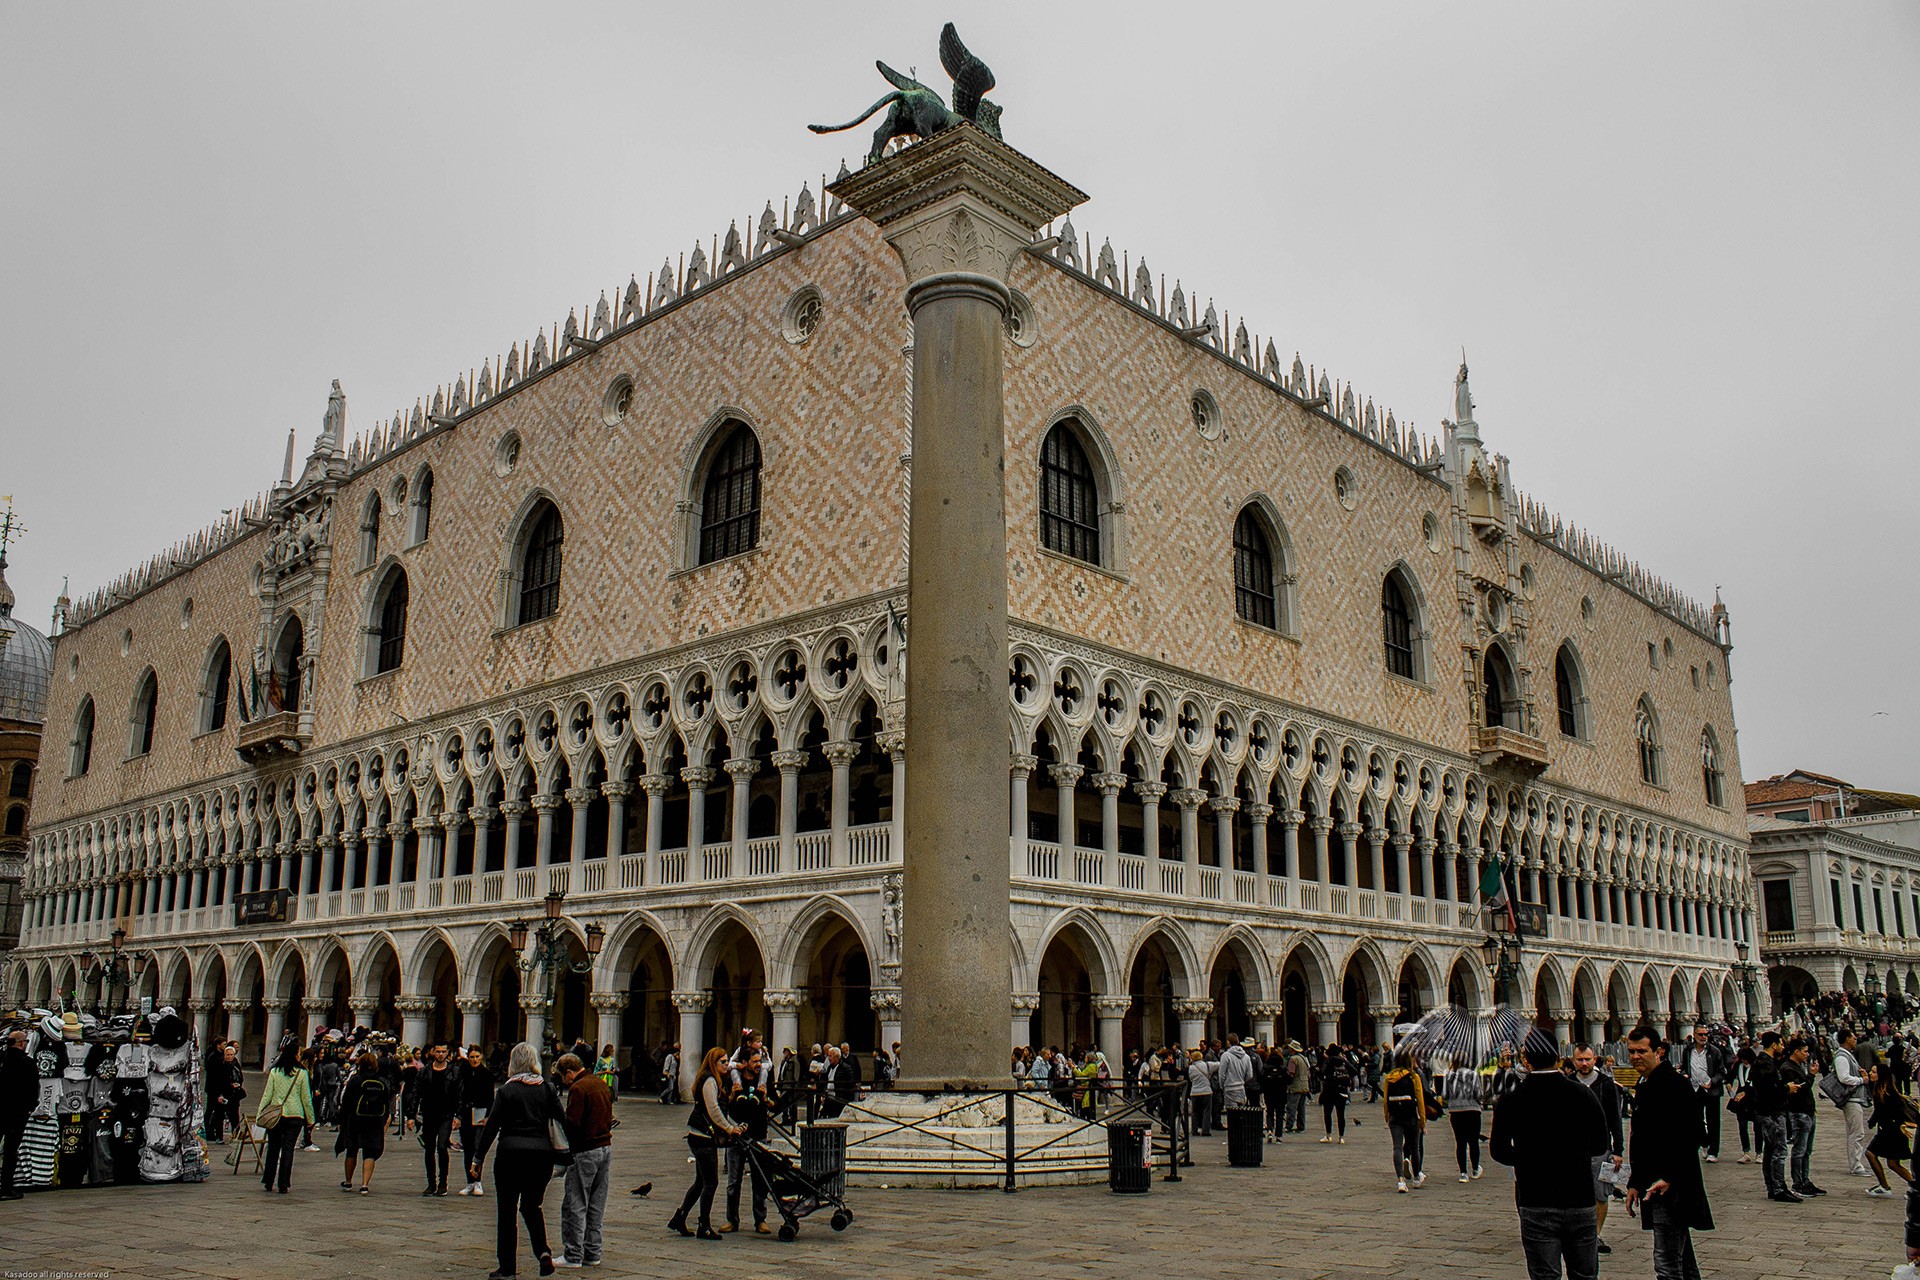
<point x="270" y="737"/>
<point x="1509" y="750"/>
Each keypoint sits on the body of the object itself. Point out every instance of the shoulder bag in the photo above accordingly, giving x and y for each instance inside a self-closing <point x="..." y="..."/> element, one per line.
<point x="270" y="1113"/>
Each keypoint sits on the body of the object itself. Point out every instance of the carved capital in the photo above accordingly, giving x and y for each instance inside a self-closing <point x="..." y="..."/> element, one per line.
<point x="1109" y="784"/>
<point x="544" y="804"/>
<point x="656" y="784"/>
<point x="1259" y="811"/>
<point x="1023" y="764"/>
<point x="471" y="1004"/>
<point x="1224" y="804"/>
<point x="616" y="790"/>
<point x="608" y="1001"/>
<point x="789" y="761"/>
<point x="698" y="777"/>
<point x="1187" y="798"/>
<point x="513" y="810"/>
<point x="416" y="1006"/>
<point x="1025" y="1002"/>
<point x="1110" y="1007"/>
<point x="317" y="1004"/>
<point x="579" y="797"/>
<point x="784" y="1001"/>
<point x="1065" y="775"/>
<point x="1150" y="792"/>
<point x="533" y="1002"/>
<point x="1328" y="1012"/>
<point x="884" y="1002"/>
<point x="360" y="1007"/>
<point x="840" y="754"/>
<point x="742" y="768"/>
<point x="1192" y="1010"/>
<point x="692" y="1001"/>
<point x="1350" y="830"/>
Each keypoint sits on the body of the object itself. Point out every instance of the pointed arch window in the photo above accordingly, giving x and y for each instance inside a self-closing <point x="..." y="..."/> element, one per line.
<point x="1712" y="778"/>
<point x="540" y="562"/>
<point x="82" y="755"/>
<point x="421" y="516"/>
<point x="387" y="638"/>
<point x="1254" y="598"/>
<point x="730" y="496"/>
<point x="1646" y="736"/>
<point x="1567" y="692"/>
<point x="216" y="687"/>
<point x="370" y="533"/>
<point x="1399" y="626"/>
<point x="1501" y="697"/>
<point x="145" y="713"/>
<point x="1069" y="497"/>
<point x="284" y="676"/>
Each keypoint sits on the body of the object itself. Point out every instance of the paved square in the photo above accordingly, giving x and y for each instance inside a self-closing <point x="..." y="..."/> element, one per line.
<point x="1310" y="1211"/>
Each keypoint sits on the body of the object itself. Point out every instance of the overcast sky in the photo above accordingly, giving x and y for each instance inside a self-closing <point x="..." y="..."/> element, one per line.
<point x="1677" y="242"/>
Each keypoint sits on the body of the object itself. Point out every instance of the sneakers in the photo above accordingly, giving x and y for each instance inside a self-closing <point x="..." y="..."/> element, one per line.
<point x="1421" y="1180"/>
<point x="1787" y="1197"/>
<point x="1809" y="1190"/>
<point x="479" y="1190"/>
<point x="1601" y="1246"/>
<point x="1476" y="1171"/>
<point x="309" y="1147"/>
<point x="1341" y="1141"/>
<point x="1401" y="1186"/>
<point x="1875" y="1190"/>
<point x="1713" y="1159"/>
<point x="1328" y="1138"/>
<point x="1465" y="1178"/>
<point x="762" y="1229"/>
<point x="1746" y="1157"/>
<point x="566" y="1262"/>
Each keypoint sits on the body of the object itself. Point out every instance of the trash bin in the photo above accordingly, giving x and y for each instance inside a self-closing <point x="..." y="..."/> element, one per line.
<point x="1246" y="1137"/>
<point x="823" y="1154"/>
<point x="1130" y="1157"/>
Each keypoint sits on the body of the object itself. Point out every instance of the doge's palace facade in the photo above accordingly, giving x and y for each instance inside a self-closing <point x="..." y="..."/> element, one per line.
<point x="621" y="617"/>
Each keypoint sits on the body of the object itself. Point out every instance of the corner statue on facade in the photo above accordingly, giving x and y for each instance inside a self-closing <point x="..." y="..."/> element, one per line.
<point x="917" y="111"/>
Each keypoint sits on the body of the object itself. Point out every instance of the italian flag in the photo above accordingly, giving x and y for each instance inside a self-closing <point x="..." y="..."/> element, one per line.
<point x="1493" y="891"/>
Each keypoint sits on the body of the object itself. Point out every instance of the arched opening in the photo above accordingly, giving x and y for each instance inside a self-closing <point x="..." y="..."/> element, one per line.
<point x="370" y="532"/>
<point x="1415" y="990"/>
<point x="1500" y="692"/>
<point x="439" y="976"/>
<point x="81" y="757"/>
<point x="1712" y="777"/>
<point x="533" y="589"/>
<point x="283" y="678"/>
<point x="736" y="987"/>
<point x="1153" y="980"/>
<point x="1070" y="504"/>
<point x="1255" y="598"/>
<point x="644" y="970"/>
<point x="836" y="989"/>
<point x="1233" y="985"/>
<point x="387" y="624"/>
<point x="1646" y="735"/>
<point x="380" y="983"/>
<point x="502" y="1021"/>
<point x="1568" y="695"/>
<point x="421" y="521"/>
<point x="144" y="713"/>
<point x="216" y="687"/>
<point x="729" y="512"/>
<point x="1065" y="1017"/>
<point x="1400" y="624"/>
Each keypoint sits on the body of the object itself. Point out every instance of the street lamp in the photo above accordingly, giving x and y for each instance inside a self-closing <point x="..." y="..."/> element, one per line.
<point x="546" y="948"/>
<point x="1747" y="974"/>
<point x="1502" y="951"/>
<point x="119" y="967"/>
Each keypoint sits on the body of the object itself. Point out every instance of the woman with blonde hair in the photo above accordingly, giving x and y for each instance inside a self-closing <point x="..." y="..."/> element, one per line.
<point x="706" y="1126"/>
<point x="524" y="1110"/>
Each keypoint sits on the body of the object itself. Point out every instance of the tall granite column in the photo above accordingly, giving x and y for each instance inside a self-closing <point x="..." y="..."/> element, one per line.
<point x="957" y="208"/>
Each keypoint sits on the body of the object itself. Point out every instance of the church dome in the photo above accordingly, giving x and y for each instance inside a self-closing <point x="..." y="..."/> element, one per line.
<point x="26" y="664"/>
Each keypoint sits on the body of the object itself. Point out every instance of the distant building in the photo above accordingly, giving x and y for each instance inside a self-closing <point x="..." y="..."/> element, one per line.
<point x="1838" y="872"/>
<point x="26" y="668"/>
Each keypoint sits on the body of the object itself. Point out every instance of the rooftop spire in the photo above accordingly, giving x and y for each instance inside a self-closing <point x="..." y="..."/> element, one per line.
<point x="10" y="528"/>
<point x="1463" y="402"/>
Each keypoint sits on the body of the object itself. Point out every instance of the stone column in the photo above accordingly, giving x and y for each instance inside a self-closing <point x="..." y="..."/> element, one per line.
<point x="1350" y="849"/>
<point x="543" y="807"/>
<point x="840" y="755"/>
<point x="1322" y="861"/>
<point x="741" y="769"/>
<point x="1223" y="809"/>
<point x="1401" y="865"/>
<point x="789" y="763"/>
<point x="361" y="1010"/>
<point x="1383" y="1028"/>
<point x="1193" y="1020"/>
<point x="1562" y="1027"/>
<point x="579" y="798"/>
<point x="1150" y="794"/>
<point x="698" y="779"/>
<point x="1066" y="802"/>
<point x="1326" y="1022"/>
<point x="276" y="1028"/>
<point x="616" y="794"/>
<point x="1290" y="821"/>
<point x="202" y="1025"/>
<point x="471" y="1008"/>
<point x="1109" y="1014"/>
<point x="1188" y="799"/>
<point x="330" y="862"/>
<point x="1018" y="772"/>
<point x="413" y="1019"/>
<point x="236" y="1017"/>
<point x="610" y="1008"/>
<point x="693" y="1010"/>
<point x="1109" y="785"/>
<point x="511" y="812"/>
<point x="286" y="869"/>
<point x="895" y="745"/>
<point x="352" y="876"/>
<point x="428" y="850"/>
<point x="534" y="1005"/>
<point x="482" y="842"/>
<point x="1023" y="1006"/>
<point x="1266" y="1015"/>
<point x="785" y="1008"/>
<point x="1258" y="813"/>
<point x="314" y="1008"/>
<point x="656" y="786"/>
<point x="957" y="207"/>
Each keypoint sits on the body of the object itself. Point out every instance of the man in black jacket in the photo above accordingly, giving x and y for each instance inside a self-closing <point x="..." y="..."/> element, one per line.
<point x="436" y="1098"/>
<point x="1587" y="1071"/>
<point x="19" y="1093"/>
<point x="1550" y="1128"/>
<point x="840" y="1082"/>
<point x="1767" y="1095"/>
<point x="1665" y="1151"/>
<point x="1705" y="1067"/>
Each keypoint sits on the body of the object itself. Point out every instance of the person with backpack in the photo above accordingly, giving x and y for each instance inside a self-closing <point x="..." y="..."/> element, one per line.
<point x="364" y="1107"/>
<point x="286" y="1108"/>
<point x="1336" y="1086"/>
<point x="1274" y="1082"/>
<point x="1403" y="1098"/>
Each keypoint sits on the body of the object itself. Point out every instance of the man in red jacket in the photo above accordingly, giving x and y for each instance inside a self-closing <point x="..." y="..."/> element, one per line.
<point x="590" y="1137"/>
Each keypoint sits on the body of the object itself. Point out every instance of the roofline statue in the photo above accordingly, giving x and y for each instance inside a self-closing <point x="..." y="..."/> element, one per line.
<point x="916" y="111"/>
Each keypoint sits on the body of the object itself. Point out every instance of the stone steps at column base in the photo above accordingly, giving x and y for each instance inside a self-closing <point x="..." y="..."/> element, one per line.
<point x="1049" y="1149"/>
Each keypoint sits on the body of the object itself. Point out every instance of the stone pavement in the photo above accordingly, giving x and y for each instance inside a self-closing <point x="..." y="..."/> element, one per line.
<point x="1310" y="1211"/>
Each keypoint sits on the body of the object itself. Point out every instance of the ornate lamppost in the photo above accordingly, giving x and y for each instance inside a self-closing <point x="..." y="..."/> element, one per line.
<point x="120" y="967"/>
<point x="1746" y="973"/>
<point x="1502" y="951"/>
<point x="546" y="949"/>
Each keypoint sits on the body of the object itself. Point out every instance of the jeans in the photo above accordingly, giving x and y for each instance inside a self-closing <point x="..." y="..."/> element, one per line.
<point x="1855" y="1115"/>
<point x="1800" y="1143"/>
<point x="1296" y="1113"/>
<point x="1408" y="1148"/>
<point x="585" y="1204"/>
<point x="706" y="1180"/>
<point x="1554" y="1237"/>
<point x="1200" y="1124"/>
<point x="281" y="1140"/>
<point x="739" y="1166"/>
<point x="437" y="1133"/>
<point x="1772" y="1131"/>
<point x="1466" y="1139"/>
<point x="520" y="1181"/>
<point x="1672" y="1245"/>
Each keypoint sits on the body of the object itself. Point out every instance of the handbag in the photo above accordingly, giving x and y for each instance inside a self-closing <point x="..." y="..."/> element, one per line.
<point x="270" y="1114"/>
<point x="557" y="1132"/>
<point x="1436" y="1105"/>
<point x="1835" y="1092"/>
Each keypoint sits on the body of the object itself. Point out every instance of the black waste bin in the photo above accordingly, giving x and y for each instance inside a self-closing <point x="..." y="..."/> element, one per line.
<point x="1130" y="1157"/>
<point x="1245" y="1137"/>
<point x="823" y="1154"/>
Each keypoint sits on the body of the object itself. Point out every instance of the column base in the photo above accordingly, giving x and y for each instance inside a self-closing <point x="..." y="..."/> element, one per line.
<point x="892" y="1143"/>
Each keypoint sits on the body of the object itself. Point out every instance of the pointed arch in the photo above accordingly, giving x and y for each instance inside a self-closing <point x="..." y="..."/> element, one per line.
<point x="420" y="506"/>
<point x="1570" y="692"/>
<point x="1646" y="735"/>
<point x="623" y="944"/>
<point x="1264" y="567"/>
<point x="383" y="624"/>
<point x="1179" y="948"/>
<point x="417" y="977"/>
<point x="143" y="714"/>
<point x="1080" y="491"/>
<point x="1094" y="943"/>
<point x="377" y="959"/>
<point x="531" y="561"/>
<point x="787" y="966"/>
<point x="1403" y="613"/>
<point x="1245" y="945"/>
<point x="693" y="968"/>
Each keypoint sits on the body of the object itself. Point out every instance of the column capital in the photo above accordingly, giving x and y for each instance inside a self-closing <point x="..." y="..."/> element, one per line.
<point x="698" y="777"/>
<point x="1109" y="784"/>
<point x="1025" y="1002"/>
<point x="303" y="846"/>
<point x="742" y="768"/>
<point x="608" y="1001"/>
<point x="893" y="742"/>
<point x="1561" y="1015"/>
<point x="616" y="790"/>
<point x="579" y="797"/>
<point x="1321" y="824"/>
<point x="1327" y="1011"/>
<point x="885" y="1002"/>
<point x="1106" y="1007"/>
<point x="533" y="1002"/>
<point x="840" y="754"/>
<point x="236" y="1006"/>
<point x="424" y="825"/>
<point x="1425" y="845"/>
<point x="397" y="829"/>
<point x="656" y="784"/>
<point x="1259" y="811"/>
<point x="1188" y="798"/>
<point x="1150" y="792"/>
<point x="1349" y="830"/>
<point x="317" y="1004"/>
<point x="544" y="803"/>
<point x="1065" y="775"/>
<point x="789" y="761"/>
<point x="415" y="1005"/>
<point x="512" y="810"/>
<point x="360" y="1006"/>
<point x="1265" y="1009"/>
<point x="1023" y="763"/>
<point x="783" y="1001"/>
<point x="1193" y="1008"/>
<point x="1224" y="804"/>
<point x="1400" y="840"/>
<point x="482" y="815"/>
<point x="472" y="1004"/>
<point x="692" y="1001"/>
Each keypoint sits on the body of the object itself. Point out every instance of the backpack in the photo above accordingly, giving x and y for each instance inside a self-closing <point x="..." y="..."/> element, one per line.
<point x="374" y="1099"/>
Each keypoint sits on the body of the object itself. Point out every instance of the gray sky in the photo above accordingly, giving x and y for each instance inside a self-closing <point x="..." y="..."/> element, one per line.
<point x="1677" y="243"/>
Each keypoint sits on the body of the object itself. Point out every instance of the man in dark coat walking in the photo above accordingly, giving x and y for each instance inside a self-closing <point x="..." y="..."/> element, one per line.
<point x="1665" y="1153"/>
<point x="1550" y="1129"/>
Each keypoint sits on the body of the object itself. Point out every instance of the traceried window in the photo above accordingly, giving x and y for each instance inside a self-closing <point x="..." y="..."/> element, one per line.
<point x="144" y="715"/>
<point x="82" y="757"/>
<point x="1646" y="736"/>
<point x="1253" y="586"/>
<point x="1566" y="692"/>
<point x="216" y="687"/>
<point x="540" y="565"/>
<point x="730" y="497"/>
<point x="421" y="522"/>
<point x="1069" y="497"/>
<point x="388" y="641"/>
<point x="1397" y="621"/>
<point x="1712" y="780"/>
<point x="1502" y="701"/>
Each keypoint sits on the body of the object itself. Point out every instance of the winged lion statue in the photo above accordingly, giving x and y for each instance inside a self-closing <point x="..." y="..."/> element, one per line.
<point x="913" y="110"/>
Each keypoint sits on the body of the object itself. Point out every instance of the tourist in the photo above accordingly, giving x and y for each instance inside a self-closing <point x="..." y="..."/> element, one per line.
<point x="589" y="1122"/>
<point x="19" y="1095"/>
<point x="670" y="1076"/>
<point x="1587" y="1071"/>
<point x="523" y="1109"/>
<point x="410" y="1068"/>
<point x="748" y="1108"/>
<point x="1403" y="1101"/>
<point x="1460" y="1089"/>
<point x="1299" y="1087"/>
<point x="608" y="1069"/>
<point x="363" y="1121"/>
<point x="1891" y="1111"/>
<point x="1738" y="1104"/>
<point x="788" y="1094"/>
<point x="1666" y="1182"/>
<point x="706" y="1126"/>
<point x="1236" y="1073"/>
<point x="841" y="1082"/>
<point x="1767" y="1097"/>
<point x="1275" y="1080"/>
<point x="1200" y="1074"/>
<point x="1705" y="1066"/>
<point x="225" y="1087"/>
<point x="1336" y="1086"/>
<point x="1797" y="1077"/>
<point x="1548" y="1128"/>
<point x="327" y="1078"/>
<point x="290" y="1090"/>
<point x="475" y="1097"/>
<point x="436" y="1102"/>
<point x="1853" y="1111"/>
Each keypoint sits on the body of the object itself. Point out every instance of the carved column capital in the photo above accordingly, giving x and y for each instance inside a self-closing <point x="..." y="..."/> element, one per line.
<point x="841" y="753"/>
<point x="472" y="1004"/>
<point x="579" y="797"/>
<point x="416" y="1005"/>
<point x="1224" y="804"/>
<point x="1023" y="764"/>
<point x="1065" y="775"/>
<point x="1259" y="811"/>
<point x="616" y="790"/>
<point x="1150" y="792"/>
<point x="513" y="810"/>
<point x="885" y="1002"/>
<point x="608" y="1001"/>
<point x="1187" y="798"/>
<point x="1192" y="1009"/>
<point x="692" y="1001"/>
<point x="656" y="784"/>
<point x="789" y="761"/>
<point x="544" y="803"/>
<point x="1109" y="784"/>
<point x="1025" y="1002"/>
<point x="317" y="1004"/>
<point x="783" y="1001"/>
<point x="1108" y="1007"/>
<point x="533" y="1001"/>
<point x="742" y="768"/>
<point x="698" y="777"/>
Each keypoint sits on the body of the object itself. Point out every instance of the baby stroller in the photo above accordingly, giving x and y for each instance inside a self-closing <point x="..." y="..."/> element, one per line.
<point x="795" y="1195"/>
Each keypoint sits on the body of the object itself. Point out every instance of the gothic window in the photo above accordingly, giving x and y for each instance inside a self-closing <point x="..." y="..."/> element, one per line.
<point x="538" y="568"/>
<point x="1253" y="594"/>
<point x="370" y="533"/>
<point x="21" y="783"/>
<point x="1501" y="698"/>
<point x="283" y="677"/>
<point x="82" y="757"/>
<point x="730" y="497"/>
<point x="1400" y="626"/>
<point x="216" y="687"/>
<point x="1646" y="736"/>
<point x="421" y="519"/>
<point x="1069" y="497"/>
<point x="146" y="709"/>
<point x="1711" y="778"/>
<point x="1566" y="691"/>
<point x="387" y="638"/>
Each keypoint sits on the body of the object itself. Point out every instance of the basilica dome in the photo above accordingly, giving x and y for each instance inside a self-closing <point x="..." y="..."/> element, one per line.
<point x="26" y="664"/>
